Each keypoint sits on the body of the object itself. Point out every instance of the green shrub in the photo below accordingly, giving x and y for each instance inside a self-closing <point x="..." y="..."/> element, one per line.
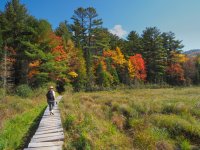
<point x="24" y="91"/>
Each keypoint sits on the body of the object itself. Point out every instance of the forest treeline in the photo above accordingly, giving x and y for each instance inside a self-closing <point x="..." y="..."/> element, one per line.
<point x="86" y="55"/>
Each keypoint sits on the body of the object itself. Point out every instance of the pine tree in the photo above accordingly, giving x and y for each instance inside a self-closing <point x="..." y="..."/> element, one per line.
<point x="63" y="31"/>
<point x="79" y="27"/>
<point x="154" y="55"/>
<point x="85" y="23"/>
<point x="133" y="45"/>
<point x="17" y="32"/>
<point x="100" y="41"/>
<point x="171" y="45"/>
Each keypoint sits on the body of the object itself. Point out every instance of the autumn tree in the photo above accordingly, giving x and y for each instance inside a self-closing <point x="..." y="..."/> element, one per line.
<point x="191" y="70"/>
<point x="175" y="74"/>
<point x="136" y="67"/>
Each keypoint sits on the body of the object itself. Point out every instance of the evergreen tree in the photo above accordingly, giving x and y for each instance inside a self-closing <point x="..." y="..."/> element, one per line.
<point x="103" y="77"/>
<point x="154" y="55"/>
<point x="63" y="31"/>
<point x="133" y="45"/>
<point x="85" y="22"/>
<point x="100" y="41"/>
<point x="79" y="27"/>
<point x="16" y="33"/>
<point x="171" y="45"/>
<point x="115" y="41"/>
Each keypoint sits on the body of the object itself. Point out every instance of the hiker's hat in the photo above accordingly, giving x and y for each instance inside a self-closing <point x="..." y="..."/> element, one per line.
<point x="51" y="87"/>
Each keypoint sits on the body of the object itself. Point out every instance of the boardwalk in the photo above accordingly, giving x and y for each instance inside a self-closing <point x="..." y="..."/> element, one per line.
<point x="49" y="135"/>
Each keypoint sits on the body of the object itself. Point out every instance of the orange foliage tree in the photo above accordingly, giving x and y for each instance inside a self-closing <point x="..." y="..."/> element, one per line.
<point x="136" y="67"/>
<point x="175" y="74"/>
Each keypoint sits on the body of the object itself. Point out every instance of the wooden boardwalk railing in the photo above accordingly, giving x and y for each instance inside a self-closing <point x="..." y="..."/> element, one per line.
<point x="49" y="135"/>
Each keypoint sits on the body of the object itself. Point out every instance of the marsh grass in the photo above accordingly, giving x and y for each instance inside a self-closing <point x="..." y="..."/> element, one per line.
<point x="18" y="116"/>
<point x="135" y="118"/>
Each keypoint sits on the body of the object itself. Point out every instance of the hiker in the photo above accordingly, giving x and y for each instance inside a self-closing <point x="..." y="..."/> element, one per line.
<point x="51" y="99"/>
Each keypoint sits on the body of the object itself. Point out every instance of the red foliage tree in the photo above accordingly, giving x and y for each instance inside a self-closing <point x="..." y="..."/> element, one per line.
<point x="175" y="74"/>
<point x="138" y="64"/>
<point x="57" y="47"/>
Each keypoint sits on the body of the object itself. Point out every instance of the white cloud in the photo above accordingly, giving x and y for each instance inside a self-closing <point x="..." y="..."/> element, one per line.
<point x="118" y="30"/>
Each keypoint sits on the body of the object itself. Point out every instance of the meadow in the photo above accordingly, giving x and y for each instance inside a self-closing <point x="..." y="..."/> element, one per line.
<point x="162" y="119"/>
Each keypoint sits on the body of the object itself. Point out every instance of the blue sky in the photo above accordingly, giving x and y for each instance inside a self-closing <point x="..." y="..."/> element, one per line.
<point x="122" y="16"/>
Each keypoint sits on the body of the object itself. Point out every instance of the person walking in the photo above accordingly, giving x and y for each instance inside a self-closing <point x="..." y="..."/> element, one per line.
<point x="51" y="99"/>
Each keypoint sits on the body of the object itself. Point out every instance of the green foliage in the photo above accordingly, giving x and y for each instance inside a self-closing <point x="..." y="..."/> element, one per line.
<point x="104" y="79"/>
<point x="133" y="45"/>
<point x="24" y="91"/>
<point x="154" y="54"/>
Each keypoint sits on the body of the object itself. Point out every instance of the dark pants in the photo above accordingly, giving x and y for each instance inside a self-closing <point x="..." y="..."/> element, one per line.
<point x="51" y="105"/>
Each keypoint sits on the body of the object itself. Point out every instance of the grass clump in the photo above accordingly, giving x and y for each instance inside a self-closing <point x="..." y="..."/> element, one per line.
<point x="177" y="126"/>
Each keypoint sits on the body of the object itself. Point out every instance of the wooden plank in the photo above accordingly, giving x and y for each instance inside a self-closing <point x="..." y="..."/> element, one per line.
<point x="49" y="127"/>
<point x="49" y="131"/>
<point x="48" y="139"/>
<point x="45" y="148"/>
<point x="48" y="135"/>
<point x="45" y="144"/>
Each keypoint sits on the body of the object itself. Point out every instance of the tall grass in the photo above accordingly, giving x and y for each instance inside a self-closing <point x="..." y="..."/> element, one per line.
<point x="17" y="116"/>
<point x="13" y="134"/>
<point x="135" y="118"/>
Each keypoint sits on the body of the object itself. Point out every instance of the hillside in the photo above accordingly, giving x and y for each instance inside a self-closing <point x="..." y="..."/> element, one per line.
<point x="193" y="52"/>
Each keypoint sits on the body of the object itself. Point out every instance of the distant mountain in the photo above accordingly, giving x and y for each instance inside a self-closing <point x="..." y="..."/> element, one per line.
<point x="193" y="52"/>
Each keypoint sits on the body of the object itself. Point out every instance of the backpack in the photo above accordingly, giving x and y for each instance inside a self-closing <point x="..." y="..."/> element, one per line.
<point x="49" y="95"/>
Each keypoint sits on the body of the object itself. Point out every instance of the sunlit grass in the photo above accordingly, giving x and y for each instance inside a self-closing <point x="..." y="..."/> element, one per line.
<point x="144" y="118"/>
<point x="17" y="116"/>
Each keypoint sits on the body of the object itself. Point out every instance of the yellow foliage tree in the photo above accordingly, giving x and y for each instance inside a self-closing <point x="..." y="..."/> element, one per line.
<point x="119" y="57"/>
<point x="131" y="70"/>
<point x="179" y="58"/>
